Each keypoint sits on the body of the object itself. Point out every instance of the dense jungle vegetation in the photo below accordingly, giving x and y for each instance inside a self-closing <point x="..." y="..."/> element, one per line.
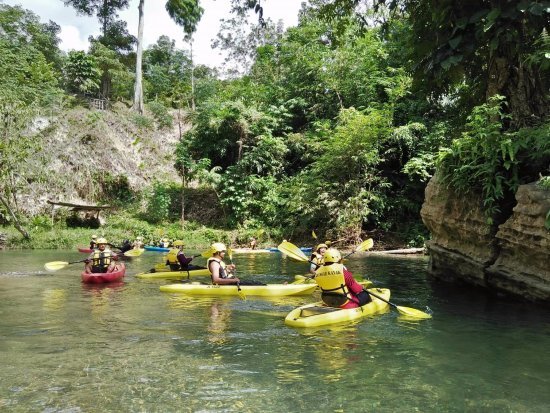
<point x="335" y="125"/>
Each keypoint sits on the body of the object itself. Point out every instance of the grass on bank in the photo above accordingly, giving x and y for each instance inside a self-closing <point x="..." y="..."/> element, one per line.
<point x="45" y="235"/>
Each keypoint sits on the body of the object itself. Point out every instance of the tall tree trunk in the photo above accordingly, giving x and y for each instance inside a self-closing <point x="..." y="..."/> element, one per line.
<point x="16" y="222"/>
<point x="138" y="88"/>
<point x="523" y="87"/>
<point x="183" y="184"/>
<point x="183" y="181"/>
<point x="192" y="78"/>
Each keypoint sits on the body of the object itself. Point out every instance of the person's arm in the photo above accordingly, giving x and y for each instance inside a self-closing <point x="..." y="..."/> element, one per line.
<point x="183" y="260"/>
<point x="352" y="285"/>
<point x="312" y="269"/>
<point x="214" y="268"/>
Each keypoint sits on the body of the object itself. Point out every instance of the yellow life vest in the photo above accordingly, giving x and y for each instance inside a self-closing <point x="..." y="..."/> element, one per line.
<point x="172" y="256"/>
<point x="223" y="274"/>
<point x="317" y="259"/>
<point x="101" y="259"/>
<point x="333" y="285"/>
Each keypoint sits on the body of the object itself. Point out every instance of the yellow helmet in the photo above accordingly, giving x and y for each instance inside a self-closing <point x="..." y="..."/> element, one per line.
<point x="218" y="247"/>
<point x="139" y="238"/>
<point x="101" y="241"/>
<point x="178" y="243"/>
<point x="164" y="240"/>
<point x="94" y="236"/>
<point x="332" y="255"/>
<point x="318" y="247"/>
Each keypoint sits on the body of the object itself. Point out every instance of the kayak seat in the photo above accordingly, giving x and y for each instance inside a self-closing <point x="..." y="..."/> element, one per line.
<point x="316" y="310"/>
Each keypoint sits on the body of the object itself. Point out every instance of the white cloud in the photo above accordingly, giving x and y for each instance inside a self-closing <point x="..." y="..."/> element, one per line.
<point x="72" y="40"/>
<point x="76" y="29"/>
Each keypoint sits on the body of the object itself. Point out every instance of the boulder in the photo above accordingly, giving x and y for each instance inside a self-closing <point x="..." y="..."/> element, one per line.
<point x="513" y="257"/>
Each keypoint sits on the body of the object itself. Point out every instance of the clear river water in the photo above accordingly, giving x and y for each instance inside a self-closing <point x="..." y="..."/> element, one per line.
<point x="69" y="347"/>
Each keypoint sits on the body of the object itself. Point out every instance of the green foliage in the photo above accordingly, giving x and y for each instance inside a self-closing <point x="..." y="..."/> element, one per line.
<point x="82" y="74"/>
<point x="41" y="223"/>
<point x="544" y="182"/>
<point x="115" y="189"/>
<point x="186" y="13"/>
<point x="161" y="115"/>
<point x="30" y="58"/>
<point x="492" y="161"/>
<point x="141" y="121"/>
<point x="158" y="204"/>
<point x="16" y="144"/>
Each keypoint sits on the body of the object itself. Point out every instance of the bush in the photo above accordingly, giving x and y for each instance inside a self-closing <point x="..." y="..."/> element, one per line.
<point x="161" y="114"/>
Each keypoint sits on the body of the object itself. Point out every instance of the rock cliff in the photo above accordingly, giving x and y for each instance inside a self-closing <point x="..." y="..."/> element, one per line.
<point x="513" y="257"/>
<point x="82" y="150"/>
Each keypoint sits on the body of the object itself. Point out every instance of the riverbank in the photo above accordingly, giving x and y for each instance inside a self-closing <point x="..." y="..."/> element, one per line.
<point x="44" y="235"/>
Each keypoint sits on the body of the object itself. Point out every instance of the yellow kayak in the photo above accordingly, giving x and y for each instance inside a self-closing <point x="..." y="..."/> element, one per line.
<point x="173" y="275"/>
<point x="268" y="290"/>
<point x="318" y="314"/>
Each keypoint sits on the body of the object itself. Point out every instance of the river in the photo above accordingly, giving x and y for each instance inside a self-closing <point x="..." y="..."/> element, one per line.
<point x="68" y="347"/>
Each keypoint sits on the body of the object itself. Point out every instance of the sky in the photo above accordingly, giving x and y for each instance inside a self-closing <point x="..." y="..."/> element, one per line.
<point x="75" y="29"/>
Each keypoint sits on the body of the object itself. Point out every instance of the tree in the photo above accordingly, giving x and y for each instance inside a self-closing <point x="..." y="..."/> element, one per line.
<point x="186" y="13"/>
<point x="105" y="10"/>
<point x="108" y="62"/>
<point x="82" y="73"/>
<point x="30" y="63"/>
<point x="138" y="88"/>
<point x="188" y="169"/>
<point x="15" y="146"/>
<point x="114" y="34"/>
<point x="486" y="44"/>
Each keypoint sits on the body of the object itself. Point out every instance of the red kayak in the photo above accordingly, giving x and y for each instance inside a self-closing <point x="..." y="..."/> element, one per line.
<point x="86" y="250"/>
<point x="100" y="278"/>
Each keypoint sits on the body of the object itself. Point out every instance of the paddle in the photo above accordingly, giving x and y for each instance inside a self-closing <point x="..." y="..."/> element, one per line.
<point x="57" y="265"/>
<point x="293" y="251"/>
<point x="410" y="312"/>
<point x="241" y="293"/>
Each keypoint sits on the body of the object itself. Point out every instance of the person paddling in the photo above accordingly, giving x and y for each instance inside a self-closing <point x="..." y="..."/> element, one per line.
<point x="164" y="243"/>
<point x="317" y="257"/>
<point x="339" y="288"/>
<point x="93" y="242"/>
<point x="176" y="259"/>
<point x="219" y="270"/>
<point x="101" y="260"/>
<point x="138" y="243"/>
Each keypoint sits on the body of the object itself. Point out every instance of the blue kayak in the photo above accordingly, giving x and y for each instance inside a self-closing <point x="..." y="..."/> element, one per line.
<point x="158" y="249"/>
<point x="304" y="249"/>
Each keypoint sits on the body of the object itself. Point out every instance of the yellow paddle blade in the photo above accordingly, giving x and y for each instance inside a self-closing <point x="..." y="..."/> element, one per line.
<point x="55" y="265"/>
<point x="134" y="253"/>
<point x="230" y="254"/>
<point x="292" y="251"/>
<point x="365" y="245"/>
<point x="313" y="234"/>
<point x="413" y="312"/>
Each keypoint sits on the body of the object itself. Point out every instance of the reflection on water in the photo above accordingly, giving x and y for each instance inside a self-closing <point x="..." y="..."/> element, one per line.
<point x="220" y="313"/>
<point x="66" y="346"/>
